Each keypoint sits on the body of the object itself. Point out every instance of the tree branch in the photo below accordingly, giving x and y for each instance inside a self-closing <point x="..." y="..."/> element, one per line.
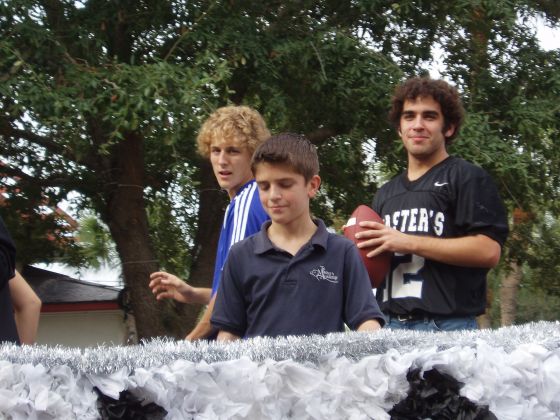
<point x="321" y="135"/>
<point x="54" y="180"/>
<point x="550" y="7"/>
<point x="54" y="11"/>
<point x="8" y="130"/>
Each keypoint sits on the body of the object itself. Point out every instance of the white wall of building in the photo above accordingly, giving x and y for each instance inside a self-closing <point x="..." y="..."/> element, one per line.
<point x="82" y="329"/>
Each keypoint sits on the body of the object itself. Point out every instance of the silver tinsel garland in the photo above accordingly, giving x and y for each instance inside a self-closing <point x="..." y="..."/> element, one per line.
<point x="302" y="349"/>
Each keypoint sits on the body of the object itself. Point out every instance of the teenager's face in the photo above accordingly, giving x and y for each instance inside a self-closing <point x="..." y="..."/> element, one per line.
<point x="421" y="129"/>
<point x="284" y="194"/>
<point x="231" y="163"/>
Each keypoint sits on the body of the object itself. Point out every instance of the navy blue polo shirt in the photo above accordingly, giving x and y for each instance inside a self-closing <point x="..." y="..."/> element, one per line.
<point x="265" y="291"/>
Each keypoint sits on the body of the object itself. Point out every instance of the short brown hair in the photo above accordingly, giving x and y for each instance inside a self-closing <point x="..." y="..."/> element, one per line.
<point x="239" y="123"/>
<point x="443" y="93"/>
<point x="294" y="150"/>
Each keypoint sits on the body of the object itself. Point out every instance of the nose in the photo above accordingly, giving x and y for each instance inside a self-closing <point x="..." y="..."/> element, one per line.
<point x="418" y="123"/>
<point x="222" y="158"/>
<point x="275" y="193"/>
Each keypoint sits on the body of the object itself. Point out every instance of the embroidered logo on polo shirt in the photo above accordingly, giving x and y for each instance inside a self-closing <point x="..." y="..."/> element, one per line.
<point x="322" y="274"/>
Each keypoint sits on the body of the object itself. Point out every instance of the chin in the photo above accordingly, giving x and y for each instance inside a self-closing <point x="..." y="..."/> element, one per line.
<point x="228" y="185"/>
<point x="277" y="219"/>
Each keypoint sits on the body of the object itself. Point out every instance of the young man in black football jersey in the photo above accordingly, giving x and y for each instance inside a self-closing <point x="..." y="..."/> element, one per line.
<point x="444" y="220"/>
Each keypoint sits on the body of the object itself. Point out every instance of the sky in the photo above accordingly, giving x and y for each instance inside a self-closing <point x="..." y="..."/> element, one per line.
<point x="108" y="276"/>
<point x="549" y="37"/>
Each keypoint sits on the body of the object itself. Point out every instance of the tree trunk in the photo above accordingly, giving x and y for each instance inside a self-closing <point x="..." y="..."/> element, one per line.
<point x="484" y="321"/>
<point x="508" y="294"/>
<point x="478" y="69"/>
<point x="127" y="220"/>
<point x="510" y="283"/>
<point x="478" y="43"/>
<point x="128" y="223"/>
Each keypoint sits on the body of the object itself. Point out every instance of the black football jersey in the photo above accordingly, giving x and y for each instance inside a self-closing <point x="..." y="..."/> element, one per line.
<point x="454" y="198"/>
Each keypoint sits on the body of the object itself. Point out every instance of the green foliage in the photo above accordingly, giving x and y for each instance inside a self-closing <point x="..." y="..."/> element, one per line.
<point x="94" y="242"/>
<point x="71" y="90"/>
<point x="173" y="223"/>
<point x="536" y="245"/>
<point x="536" y="305"/>
<point x="543" y="258"/>
<point x="40" y="235"/>
<point x="335" y="199"/>
<point x="533" y="302"/>
<point x="78" y="80"/>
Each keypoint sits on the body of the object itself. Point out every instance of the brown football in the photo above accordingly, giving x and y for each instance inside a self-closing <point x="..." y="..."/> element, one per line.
<point x="378" y="266"/>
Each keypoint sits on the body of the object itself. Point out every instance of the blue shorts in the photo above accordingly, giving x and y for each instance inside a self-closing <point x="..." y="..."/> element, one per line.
<point x="435" y="323"/>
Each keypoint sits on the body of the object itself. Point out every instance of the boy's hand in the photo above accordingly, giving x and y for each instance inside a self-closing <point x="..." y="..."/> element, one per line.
<point x="227" y="336"/>
<point x="369" y="325"/>
<point x="168" y="286"/>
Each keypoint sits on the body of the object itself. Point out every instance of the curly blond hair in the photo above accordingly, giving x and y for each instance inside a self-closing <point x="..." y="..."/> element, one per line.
<point x="241" y="124"/>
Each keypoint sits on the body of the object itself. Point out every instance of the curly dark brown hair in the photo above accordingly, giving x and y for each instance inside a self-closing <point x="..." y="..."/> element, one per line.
<point x="443" y="93"/>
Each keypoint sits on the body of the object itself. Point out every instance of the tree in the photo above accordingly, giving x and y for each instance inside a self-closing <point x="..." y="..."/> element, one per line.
<point x="510" y="85"/>
<point x="85" y="108"/>
<point x="105" y="98"/>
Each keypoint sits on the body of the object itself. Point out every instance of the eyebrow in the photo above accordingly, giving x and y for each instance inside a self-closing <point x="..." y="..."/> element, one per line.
<point x="427" y="113"/>
<point x="281" y="180"/>
<point x="230" y="147"/>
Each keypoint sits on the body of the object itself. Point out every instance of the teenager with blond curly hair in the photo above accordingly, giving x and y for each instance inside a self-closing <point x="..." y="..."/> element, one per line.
<point x="228" y="138"/>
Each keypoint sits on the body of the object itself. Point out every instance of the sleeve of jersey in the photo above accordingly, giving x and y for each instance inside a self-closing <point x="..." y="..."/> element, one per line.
<point x="7" y="255"/>
<point x="229" y="310"/>
<point x="480" y="209"/>
<point x="376" y="203"/>
<point x="257" y="216"/>
<point x="359" y="303"/>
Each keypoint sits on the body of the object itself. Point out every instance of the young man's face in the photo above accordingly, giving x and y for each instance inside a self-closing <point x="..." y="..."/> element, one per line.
<point x="284" y="194"/>
<point x="421" y="128"/>
<point x="231" y="163"/>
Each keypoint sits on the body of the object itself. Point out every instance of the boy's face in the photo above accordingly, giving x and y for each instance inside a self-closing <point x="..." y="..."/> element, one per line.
<point x="284" y="194"/>
<point x="421" y="128"/>
<point x="231" y="163"/>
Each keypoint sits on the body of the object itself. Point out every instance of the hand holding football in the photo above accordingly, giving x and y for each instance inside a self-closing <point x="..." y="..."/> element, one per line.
<point x="378" y="266"/>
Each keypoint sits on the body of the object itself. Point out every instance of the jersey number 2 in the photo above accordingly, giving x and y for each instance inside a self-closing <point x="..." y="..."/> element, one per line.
<point x="407" y="281"/>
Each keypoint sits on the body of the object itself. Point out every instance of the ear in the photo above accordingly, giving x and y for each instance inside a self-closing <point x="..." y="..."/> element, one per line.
<point x="313" y="186"/>
<point x="449" y="132"/>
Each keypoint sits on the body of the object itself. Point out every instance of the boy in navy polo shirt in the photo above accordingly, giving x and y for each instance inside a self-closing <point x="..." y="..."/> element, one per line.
<point x="293" y="277"/>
